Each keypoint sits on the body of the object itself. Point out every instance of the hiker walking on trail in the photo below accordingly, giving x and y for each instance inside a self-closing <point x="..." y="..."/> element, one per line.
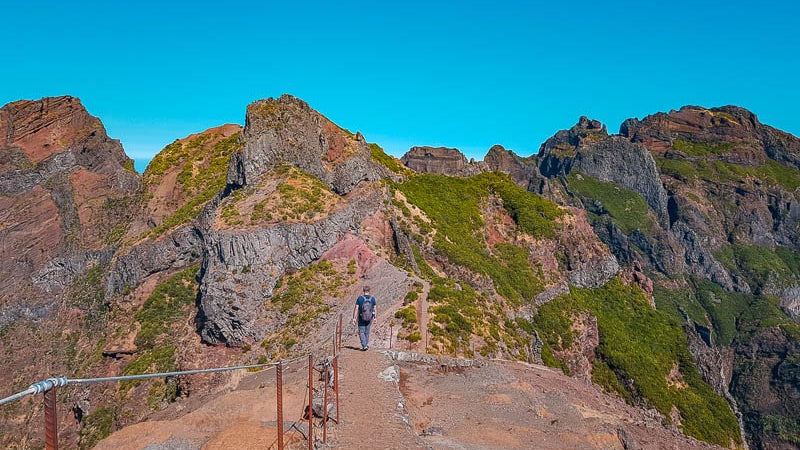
<point x="365" y="311"/>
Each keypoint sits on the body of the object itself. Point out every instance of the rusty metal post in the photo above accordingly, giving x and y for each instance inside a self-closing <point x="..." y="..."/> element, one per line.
<point x="325" y="409"/>
<point x="310" y="402"/>
<point x="279" y="383"/>
<point x="50" y="420"/>
<point x="336" y="384"/>
<point x="341" y="331"/>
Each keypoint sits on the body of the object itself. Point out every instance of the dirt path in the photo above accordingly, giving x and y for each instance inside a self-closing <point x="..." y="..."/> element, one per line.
<point x="372" y="408"/>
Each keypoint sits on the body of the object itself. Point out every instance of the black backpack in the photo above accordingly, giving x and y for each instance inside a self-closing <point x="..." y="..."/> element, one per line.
<point x="366" y="310"/>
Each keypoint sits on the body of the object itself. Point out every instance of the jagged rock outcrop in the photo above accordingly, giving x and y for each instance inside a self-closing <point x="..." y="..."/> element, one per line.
<point x="65" y="194"/>
<point x="441" y="160"/>
<point x="580" y="355"/>
<point x="588" y="262"/>
<point x="176" y="250"/>
<point x="589" y="149"/>
<point x="764" y="383"/>
<point x="287" y="131"/>
<point x="524" y="171"/>
<point x="718" y="141"/>
<point x="240" y="268"/>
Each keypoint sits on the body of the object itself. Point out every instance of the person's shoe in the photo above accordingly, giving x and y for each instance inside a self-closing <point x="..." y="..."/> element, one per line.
<point x="365" y="349"/>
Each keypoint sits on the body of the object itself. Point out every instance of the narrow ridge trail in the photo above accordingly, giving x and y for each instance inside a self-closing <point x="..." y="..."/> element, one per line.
<point x="371" y="403"/>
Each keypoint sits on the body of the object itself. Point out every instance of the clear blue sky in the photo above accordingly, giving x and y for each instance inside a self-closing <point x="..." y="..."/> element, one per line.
<point x="464" y="74"/>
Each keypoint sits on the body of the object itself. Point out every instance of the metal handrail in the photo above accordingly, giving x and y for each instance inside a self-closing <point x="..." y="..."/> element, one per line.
<point x="50" y="383"/>
<point x="48" y="388"/>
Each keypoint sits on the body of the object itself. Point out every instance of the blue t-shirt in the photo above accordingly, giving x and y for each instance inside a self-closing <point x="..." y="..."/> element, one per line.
<point x="360" y="300"/>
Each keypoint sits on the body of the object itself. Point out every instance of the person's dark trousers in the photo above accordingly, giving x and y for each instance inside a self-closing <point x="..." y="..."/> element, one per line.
<point x="363" y="333"/>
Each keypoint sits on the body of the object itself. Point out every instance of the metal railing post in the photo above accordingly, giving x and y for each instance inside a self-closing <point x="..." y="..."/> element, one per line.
<point x="341" y="331"/>
<point x="336" y="384"/>
<point x="310" y="402"/>
<point x="50" y="420"/>
<point x="325" y="409"/>
<point x="279" y="383"/>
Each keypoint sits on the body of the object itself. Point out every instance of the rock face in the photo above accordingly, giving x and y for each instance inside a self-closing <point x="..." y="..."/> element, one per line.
<point x="284" y="131"/>
<point x="714" y="140"/>
<point x="589" y="149"/>
<point x="287" y="131"/>
<point x="65" y="190"/>
<point x="441" y="160"/>
<point x="230" y="303"/>
<point x="724" y="190"/>
<point x="522" y="170"/>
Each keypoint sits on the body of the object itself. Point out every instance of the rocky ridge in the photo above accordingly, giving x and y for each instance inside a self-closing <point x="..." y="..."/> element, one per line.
<point x="65" y="192"/>
<point x="723" y="192"/>
<point x="295" y="189"/>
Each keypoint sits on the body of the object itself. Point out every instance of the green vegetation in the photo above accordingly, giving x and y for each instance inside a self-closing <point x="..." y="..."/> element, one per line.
<point x="641" y="345"/>
<point x="167" y="305"/>
<point x="388" y="161"/>
<point x="771" y="172"/>
<point x="627" y="209"/>
<point x="302" y="201"/>
<point x="454" y="207"/>
<point x="736" y="320"/>
<point x="458" y="313"/>
<point x="95" y="427"/>
<point x="407" y="315"/>
<point x="298" y="196"/>
<point x="162" y="391"/>
<point x="604" y="376"/>
<point x="533" y="214"/>
<point x="424" y="268"/>
<point x="88" y="295"/>
<point x="701" y="149"/>
<point x="414" y="336"/>
<point x="775" y="173"/>
<point x="761" y="266"/>
<point x="230" y="212"/>
<point x="158" y="359"/>
<point x="167" y="158"/>
<point x="299" y="301"/>
<point x="733" y="316"/>
<point x="784" y="428"/>
<point x="202" y="175"/>
<point x="455" y="313"/>
<point x="677" y="168"/>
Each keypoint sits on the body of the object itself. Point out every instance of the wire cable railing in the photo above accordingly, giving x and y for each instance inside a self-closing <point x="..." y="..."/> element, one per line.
<point x="330" y="360"/>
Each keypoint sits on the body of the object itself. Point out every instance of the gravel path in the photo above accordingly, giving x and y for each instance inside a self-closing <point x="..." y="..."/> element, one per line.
<point x="371" y="407"/>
